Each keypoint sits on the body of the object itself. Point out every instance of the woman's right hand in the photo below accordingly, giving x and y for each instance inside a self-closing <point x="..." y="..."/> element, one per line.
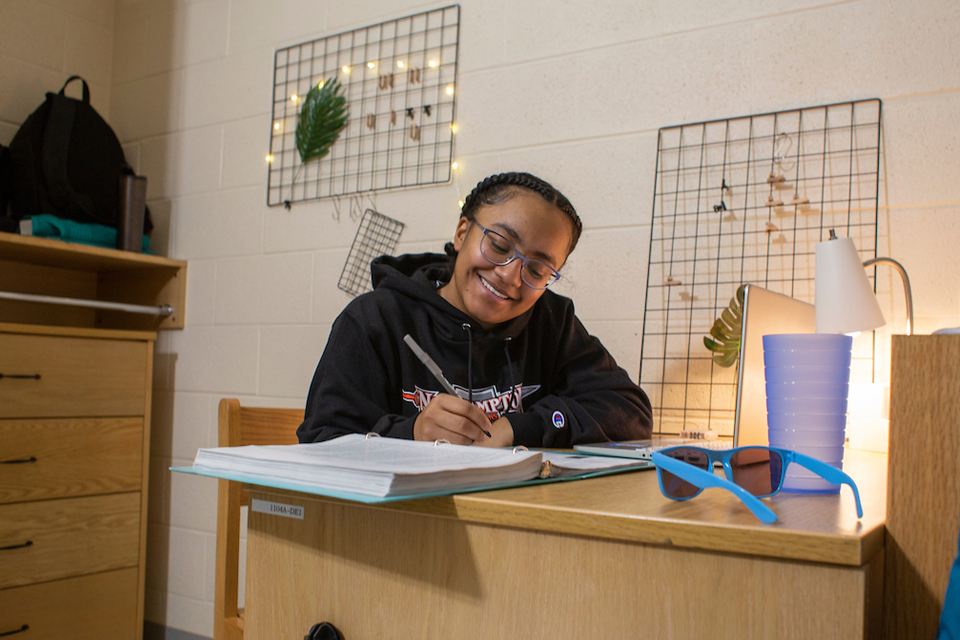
<point x="453" y="419"/>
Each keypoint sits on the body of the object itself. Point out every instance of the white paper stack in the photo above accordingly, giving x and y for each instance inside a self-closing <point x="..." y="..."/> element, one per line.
<point x="376" y="466"/>
<point x="384" y="467"/>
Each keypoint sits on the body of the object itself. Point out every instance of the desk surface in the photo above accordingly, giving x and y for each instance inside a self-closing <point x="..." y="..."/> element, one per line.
<point x="629" y="507"/>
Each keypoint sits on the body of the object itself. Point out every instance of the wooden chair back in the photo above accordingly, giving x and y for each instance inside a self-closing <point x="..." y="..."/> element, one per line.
<point x="239" y="426"/>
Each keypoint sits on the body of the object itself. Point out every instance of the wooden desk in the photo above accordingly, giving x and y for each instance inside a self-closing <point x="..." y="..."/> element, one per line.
<point x="602" y="558"/>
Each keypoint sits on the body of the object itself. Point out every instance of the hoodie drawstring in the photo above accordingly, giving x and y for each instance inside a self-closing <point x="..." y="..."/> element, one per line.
<point x="512" y="378"/>
<point x="466" y="327"/>
<point x="510" y="372"/>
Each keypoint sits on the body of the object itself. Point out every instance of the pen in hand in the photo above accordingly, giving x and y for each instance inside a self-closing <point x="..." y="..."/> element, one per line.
<point x="434" y="369"/>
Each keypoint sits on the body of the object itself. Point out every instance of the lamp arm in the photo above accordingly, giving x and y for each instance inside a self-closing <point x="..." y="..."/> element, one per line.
<point x="907" y="291"/>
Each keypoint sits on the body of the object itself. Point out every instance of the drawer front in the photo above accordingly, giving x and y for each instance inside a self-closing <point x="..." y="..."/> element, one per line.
<point x="98" y="607"/>
<point x="54" y="539"/>
<point x="77" y="376"/>
<point x="42" y="459"/>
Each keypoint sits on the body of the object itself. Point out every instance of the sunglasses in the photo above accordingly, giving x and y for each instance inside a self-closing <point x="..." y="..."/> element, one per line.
<point x="751" y="473"/>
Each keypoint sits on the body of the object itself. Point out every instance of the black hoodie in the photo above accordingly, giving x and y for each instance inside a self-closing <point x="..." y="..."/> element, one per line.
<point x="556" y="383"/>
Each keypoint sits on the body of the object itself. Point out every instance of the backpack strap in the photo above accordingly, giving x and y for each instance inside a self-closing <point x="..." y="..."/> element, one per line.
<point x="56" y="144"/>
<point x="86" y="89"/>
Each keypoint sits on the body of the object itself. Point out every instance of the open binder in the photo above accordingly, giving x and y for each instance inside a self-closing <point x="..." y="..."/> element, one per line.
<point x="374" y="470"/>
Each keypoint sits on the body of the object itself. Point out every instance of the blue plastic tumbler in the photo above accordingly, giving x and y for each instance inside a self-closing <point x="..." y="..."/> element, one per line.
<point x="808" y="378"/>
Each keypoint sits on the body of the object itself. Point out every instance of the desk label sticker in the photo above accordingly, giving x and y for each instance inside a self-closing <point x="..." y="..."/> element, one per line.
<point x="277" y="508"/>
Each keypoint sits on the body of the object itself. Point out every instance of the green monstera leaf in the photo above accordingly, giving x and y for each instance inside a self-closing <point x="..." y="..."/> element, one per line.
<point x="322" y="117"/>
<point x="725" y="341"/>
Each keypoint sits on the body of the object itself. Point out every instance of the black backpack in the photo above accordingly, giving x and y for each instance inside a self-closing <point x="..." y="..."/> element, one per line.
<point x="66" y="160"/>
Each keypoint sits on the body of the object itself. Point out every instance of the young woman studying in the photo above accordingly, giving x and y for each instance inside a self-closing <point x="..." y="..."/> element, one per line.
<point x="525" y="370"/>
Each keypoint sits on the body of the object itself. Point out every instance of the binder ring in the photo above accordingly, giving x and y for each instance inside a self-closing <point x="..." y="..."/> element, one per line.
<point x="372" y="434"/>
<point x="440" y="441"/>
<point x="520" y="447"/>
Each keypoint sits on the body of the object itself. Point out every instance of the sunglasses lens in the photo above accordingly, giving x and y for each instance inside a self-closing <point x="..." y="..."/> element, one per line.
<point x="757" y="470"/>
<point x="674" y="487"/>
<point x="677" y="487"/>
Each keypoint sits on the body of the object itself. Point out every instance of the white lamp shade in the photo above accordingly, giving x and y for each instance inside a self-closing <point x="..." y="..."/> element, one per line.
<point x="845" y="302"/>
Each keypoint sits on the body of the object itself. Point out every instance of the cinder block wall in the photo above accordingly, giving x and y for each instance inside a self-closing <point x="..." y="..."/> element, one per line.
<point x="574" y="92"/>
<point x="42" y="43"/>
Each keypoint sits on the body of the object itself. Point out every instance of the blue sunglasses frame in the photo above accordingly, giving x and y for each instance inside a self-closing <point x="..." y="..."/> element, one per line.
<point x="703" y="479"/>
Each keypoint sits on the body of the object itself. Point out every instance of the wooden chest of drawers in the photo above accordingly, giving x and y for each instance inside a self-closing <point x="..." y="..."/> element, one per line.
<point x="74" y="442"/>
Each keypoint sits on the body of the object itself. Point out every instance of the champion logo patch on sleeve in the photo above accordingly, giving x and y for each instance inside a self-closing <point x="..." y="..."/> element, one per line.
<point x="558" y="420"/>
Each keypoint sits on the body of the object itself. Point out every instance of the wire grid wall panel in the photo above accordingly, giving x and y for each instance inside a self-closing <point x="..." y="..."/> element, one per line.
<point x="399" y="80"/>
<point x="746" y="200"/>
<point x="377" y="235"/>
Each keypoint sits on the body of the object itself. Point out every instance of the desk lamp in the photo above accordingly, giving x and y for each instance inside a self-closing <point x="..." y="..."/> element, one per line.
<point x="845" y="303"/>
<point x="845" y="300"/>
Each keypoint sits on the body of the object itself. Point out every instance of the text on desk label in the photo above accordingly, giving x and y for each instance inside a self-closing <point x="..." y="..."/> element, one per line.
<point x="277" y="508"/>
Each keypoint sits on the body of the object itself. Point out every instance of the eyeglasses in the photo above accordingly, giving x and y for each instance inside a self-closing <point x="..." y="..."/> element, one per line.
<point x="500" y="251"/>
<point x="752" y="472"/>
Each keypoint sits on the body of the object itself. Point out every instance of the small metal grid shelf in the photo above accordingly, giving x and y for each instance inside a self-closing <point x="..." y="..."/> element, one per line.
<point x="377" y="235"/>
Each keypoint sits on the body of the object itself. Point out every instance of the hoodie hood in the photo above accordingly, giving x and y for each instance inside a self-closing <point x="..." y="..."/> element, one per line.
<point x="419" y="276"/>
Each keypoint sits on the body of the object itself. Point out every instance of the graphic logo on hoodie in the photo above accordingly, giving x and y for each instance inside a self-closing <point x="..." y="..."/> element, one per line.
<point x="491" y="401"/>
<point x="558" y="420"/>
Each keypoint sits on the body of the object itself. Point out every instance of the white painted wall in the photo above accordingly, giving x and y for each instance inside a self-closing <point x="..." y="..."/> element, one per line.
<point x="573" y="91"/>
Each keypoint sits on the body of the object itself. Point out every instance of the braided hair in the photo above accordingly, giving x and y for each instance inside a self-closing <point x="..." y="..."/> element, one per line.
<point x="501" y="187"/>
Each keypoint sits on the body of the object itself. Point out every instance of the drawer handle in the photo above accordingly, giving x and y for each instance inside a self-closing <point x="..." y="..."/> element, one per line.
<point x="35" y="376"/>
<point x="20" y="461"/>
<point x="28" y="543"/>
<point x="20" y="630"/>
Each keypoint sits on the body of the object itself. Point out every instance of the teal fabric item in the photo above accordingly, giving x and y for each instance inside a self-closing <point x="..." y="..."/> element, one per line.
<point x="97" y="235"/>
<point x="950" y="616"/>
